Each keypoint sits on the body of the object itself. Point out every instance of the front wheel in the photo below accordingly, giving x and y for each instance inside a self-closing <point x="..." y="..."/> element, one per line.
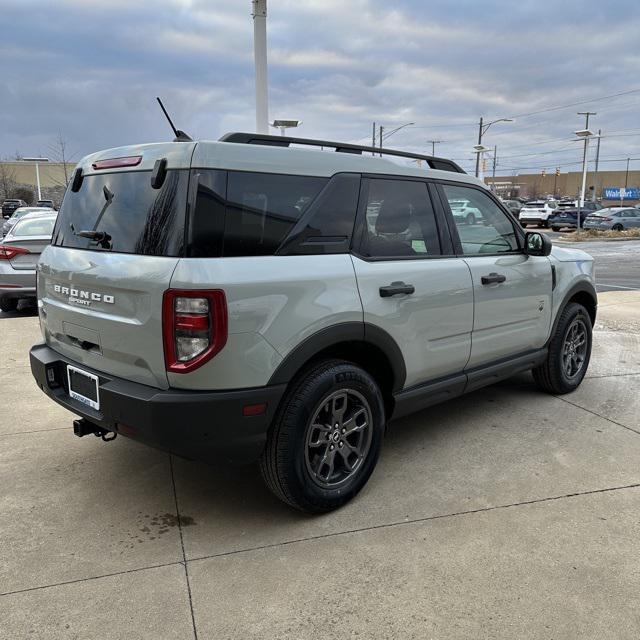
<point x="569" y="352"/>
<point x="470" y="219"/>
<point x="326" y="438"/>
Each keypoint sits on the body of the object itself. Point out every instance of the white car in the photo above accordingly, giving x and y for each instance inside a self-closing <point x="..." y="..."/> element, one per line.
<point x="537" y="212"/>
<point x="465" y="211"/>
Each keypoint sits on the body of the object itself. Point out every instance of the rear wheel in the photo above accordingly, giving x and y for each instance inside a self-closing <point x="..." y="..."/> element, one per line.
<point x="326" y="438"/>
<point x="471" y="219"/>
<point x="617" y="227"/>
<point x="556" y="229"/>
<point x="569" y="352"/>
<point x="8" y="304"/>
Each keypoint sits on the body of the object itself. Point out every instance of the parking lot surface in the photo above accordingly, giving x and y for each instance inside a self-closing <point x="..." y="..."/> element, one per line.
<point x="505" y="514"/>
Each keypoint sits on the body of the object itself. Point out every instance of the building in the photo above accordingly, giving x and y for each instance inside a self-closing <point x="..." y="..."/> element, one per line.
<point x="537" y="185"/>
<point x="22" y="174"/>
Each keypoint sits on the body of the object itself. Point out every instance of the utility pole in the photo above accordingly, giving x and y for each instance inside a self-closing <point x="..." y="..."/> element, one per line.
<point x="595" y="173"/>
<point x="381" y="130"/>
<point x="479" y="143"/>
<point x="623" y="194"/>
<point x="373" y="138"/>
<point x="433" y="144"/>
<point x="495" y="159"/>
<point x="259" y="13"/>
<point x="584" y="165"/>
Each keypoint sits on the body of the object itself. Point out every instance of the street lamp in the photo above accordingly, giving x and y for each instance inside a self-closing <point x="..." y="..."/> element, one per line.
<point x="484" y="126"/>
<point x="283" y="125"/>
<point x="37" y="160"/>
<point x="479" y="149"/>
<point x="390" y="133"/>
<point x="586" y="134"/>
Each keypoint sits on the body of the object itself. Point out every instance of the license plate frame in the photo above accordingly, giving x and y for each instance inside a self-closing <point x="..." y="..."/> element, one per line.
<point x="80" y="397"/>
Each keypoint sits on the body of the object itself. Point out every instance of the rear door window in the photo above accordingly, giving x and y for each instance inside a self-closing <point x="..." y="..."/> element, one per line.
<point x="135" y="217"/>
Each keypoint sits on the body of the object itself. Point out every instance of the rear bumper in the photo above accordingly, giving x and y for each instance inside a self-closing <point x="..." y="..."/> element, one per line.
<point x="532" y="220"/>
<point x="199" y="425"/>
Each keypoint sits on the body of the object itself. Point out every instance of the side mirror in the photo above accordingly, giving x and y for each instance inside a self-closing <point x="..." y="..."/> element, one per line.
<point x="537" y="244"/>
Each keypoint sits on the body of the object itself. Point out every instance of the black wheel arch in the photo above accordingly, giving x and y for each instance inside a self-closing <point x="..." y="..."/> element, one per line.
<point x="583" y="293"/>
<point x="363" y="343"/>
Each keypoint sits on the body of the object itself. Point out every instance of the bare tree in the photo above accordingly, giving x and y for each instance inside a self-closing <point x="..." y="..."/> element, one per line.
<point x="7" y="180"/>
<point x="59" y="153"/>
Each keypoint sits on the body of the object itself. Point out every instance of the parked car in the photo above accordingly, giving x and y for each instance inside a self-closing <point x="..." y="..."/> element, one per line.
<point x="514" y="206"/>
<point x="464" y="211"/>
<point x="284" y="326"/>
<point x="19" y="213"/>
<point x="614" y="218"/>
<point x="567" y="217"/>
<point x="537" y="212"/>
<point x="10" y="205"/>
<point x="19" y="253"/>
<point x="45" y="203"/>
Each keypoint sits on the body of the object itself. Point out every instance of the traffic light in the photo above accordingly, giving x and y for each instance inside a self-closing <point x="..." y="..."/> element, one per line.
<point x="557" y="171"/>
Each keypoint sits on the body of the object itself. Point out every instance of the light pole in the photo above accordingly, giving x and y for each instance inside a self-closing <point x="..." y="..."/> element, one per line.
<point x="259" y="13"/>
<point x="390" y="133"/>
<point x="482" y="129"/>
<point x="283" y="125"/>
<point x="586" y="134"/>
<point x="595" y="172"/>
<point x="623" y="193"/>
<point x="37" y="161"/>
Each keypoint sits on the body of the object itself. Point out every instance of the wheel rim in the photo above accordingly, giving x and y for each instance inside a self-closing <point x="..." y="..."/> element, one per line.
<point x="574" y="349"/>
<point x="338" y="438"/>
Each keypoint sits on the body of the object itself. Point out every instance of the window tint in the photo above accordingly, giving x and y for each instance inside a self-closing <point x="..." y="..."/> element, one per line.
<point x="135" y="217"/>
<point x="262" y="209"/>
<point x="206" y="226"/>
<point x="482" y="226"/>
<point x="399" y="220"/>
<point x="327" y="225"/>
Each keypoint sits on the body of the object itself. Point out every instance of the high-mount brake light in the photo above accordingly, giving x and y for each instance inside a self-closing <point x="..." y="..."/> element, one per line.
<point x="113" y="163"/>
<point x="7" y="252"/>
<point x="194" y="327"/>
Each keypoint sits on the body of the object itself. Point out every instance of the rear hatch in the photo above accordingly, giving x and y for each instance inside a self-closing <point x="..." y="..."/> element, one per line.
<point x="115" y="246"/>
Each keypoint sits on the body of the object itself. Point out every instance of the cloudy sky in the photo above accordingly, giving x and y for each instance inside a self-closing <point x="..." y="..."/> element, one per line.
<point x="90" y="70"/>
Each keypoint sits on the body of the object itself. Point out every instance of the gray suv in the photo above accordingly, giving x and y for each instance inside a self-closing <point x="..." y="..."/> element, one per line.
<point x="253" y="300"/>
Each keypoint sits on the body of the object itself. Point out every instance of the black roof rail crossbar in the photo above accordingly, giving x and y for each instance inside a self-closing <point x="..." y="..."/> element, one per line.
<point x="443" y="164"/>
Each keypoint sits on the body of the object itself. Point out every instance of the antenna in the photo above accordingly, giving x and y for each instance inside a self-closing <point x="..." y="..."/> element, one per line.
<point x="180" y="136"/>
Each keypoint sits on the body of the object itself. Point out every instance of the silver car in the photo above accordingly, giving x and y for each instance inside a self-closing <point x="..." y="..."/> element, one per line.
<point x="614" y="218"/>
<point x="19" y="254"/>
<point x="19" y="213"/>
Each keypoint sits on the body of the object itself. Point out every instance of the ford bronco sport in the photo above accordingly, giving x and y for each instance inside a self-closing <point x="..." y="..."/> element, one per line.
<point x="253" y="300"/>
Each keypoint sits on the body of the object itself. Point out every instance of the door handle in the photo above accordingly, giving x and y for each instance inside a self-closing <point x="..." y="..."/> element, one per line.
<point x="395" y="288"/>
<point x="493" y="278"/>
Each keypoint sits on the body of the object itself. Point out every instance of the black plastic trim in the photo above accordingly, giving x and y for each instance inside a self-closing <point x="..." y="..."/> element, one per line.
<point x="584" y="286"/>
<point x="199" y="425"/>
<point x="359" y="332"/>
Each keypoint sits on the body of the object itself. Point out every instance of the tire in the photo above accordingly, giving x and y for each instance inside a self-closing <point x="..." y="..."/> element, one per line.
<point x="470" y="219"/>
<point x="297" y="458"/>
<point x="8" y="304"/>
<point x="556" y="229"/>
<point x="617" y="227"/>
<point x="552" y="376"/>
<point x="524" y="225"/>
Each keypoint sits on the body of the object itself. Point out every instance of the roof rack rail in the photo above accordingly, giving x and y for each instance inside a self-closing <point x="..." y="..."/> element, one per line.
<point x="434" y="162"/>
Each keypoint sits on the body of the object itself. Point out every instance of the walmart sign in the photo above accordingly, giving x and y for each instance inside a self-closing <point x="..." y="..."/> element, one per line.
<point x="620" y="193"/>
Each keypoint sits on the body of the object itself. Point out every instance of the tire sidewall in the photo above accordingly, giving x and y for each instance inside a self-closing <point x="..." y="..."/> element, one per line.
<point x="573" y="312"/>
<point x="298" y="416"/>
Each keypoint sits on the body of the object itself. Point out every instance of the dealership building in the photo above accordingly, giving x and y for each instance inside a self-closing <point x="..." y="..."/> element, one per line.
<point x="608" y="186"/>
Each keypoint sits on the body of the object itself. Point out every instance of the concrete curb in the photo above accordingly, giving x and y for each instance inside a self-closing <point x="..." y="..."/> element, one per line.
<point x="558" y="241"/>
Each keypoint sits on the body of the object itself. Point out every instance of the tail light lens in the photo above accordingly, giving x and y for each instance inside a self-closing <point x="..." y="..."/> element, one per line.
<point x="194" y="326"/>
<point x="7" y="252"/>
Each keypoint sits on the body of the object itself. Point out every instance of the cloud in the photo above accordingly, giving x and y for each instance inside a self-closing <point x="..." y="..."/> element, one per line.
<point x="91" y="70"/>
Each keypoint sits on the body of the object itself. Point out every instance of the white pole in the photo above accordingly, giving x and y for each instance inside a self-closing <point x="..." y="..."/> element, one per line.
<point x="259" y="14"/>
<point x="38" y="181"/>
<point x="584" y="179"/>
<point x="481" y="166"/>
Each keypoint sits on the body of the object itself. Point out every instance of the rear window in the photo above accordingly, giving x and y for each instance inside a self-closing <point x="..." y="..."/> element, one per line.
<point x="34" y="227"/>
<point x="247" y="213"/>
<point x="135" y="217"/>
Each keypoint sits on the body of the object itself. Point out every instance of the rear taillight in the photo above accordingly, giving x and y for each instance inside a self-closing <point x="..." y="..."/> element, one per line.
<point x="194" y="327"/>
<point x="7" y="252"/>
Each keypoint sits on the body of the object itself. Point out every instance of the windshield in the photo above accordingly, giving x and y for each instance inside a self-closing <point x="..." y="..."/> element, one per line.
<point x="34" y="227"/>
<point x="131" y="215"/>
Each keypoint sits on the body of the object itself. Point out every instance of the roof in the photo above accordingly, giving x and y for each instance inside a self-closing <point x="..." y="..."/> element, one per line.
<point x="266" y="159"/>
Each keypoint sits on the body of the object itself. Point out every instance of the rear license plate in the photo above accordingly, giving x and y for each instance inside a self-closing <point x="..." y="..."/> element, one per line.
<point x="83" y="386"/>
